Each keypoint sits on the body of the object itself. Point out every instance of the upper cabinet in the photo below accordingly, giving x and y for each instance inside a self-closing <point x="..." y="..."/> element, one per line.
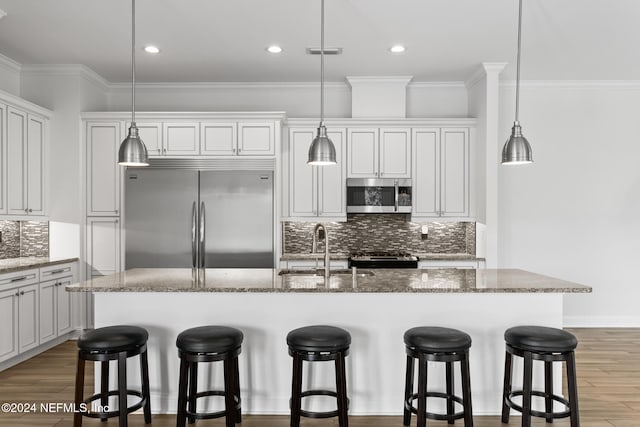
<point x="26" y="163"/>
<point x="181" y="139"/>
<point x="379" y="153"/>
<point x="316" y="192"/>
<point x="441" y="178"/>
<point x="151" y="134"/>
<point x="237" y="138"/>
<point x="103" y="171"/>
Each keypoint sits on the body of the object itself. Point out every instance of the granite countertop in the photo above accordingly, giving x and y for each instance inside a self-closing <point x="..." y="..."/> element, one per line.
<point x="446" y="280"/>
<point x="421" y="256"/>
<point x="24" y="263"/>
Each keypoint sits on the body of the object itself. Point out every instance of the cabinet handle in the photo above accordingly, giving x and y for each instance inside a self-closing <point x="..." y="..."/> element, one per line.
<point x="116" y="221"/>
<point x="239" y="150"/>
<point x="17" y="294"/>
<point x="21" y="292"/>
<point x="26" y="210"/>
<point x="116" y="211"/>
<point x="18" y="279"/>
<point x="159" y="151"/>
<point x="164" y="151"/>
<point x="62" y="270"/>
<point x="30" y="210"/>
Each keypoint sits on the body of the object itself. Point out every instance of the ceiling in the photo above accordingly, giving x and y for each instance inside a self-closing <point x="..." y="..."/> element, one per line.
<point x="225" y="40"/>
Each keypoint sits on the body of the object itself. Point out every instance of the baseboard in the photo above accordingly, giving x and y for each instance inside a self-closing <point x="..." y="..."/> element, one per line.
<point x="601" y="321"/>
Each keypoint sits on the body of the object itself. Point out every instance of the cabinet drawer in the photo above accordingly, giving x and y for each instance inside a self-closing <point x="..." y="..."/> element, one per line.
<point x="52" y="272"/>
<point x="19" y="278"/>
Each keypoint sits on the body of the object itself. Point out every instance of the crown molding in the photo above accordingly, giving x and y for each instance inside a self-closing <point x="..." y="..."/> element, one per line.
<point x="575" y="84"/>
<point x="67" y="70"/>
<point x="435" y="85"/>
<point x="227" y="85"/>
<point x="22" y="103"/>
<point x="10" y="64"/>
<point x="378" y="79"/>
<point x="484" y="70"/>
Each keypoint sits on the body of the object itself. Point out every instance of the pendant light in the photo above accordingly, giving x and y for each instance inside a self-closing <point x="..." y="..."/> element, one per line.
<point x="517" y="150"/>
<point x="322" y="152"/>
<point x="132" y="150"/>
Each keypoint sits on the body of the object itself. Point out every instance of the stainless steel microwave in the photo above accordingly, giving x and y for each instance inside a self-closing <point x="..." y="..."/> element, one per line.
<point x="384" y="195"/>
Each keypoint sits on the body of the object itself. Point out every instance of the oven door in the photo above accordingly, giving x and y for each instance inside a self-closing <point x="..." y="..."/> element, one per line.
<point x="370" y="195"/>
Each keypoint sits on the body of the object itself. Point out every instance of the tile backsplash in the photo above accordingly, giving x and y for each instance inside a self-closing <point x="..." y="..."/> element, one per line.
<point x="382" y="232"/>
<point x="24" y="238"/>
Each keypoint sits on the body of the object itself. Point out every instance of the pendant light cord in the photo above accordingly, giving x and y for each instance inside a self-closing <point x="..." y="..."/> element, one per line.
<point x="322" y="64"/>
<point x="518" y="62"/>
<point x="133" y="61"/>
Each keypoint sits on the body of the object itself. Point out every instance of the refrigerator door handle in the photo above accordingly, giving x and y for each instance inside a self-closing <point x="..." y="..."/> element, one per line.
<point x="194" y="249"/>
<point x="202" y="233"/>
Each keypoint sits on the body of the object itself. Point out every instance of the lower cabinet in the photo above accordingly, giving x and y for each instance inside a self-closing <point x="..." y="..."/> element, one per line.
<point x="103" y="246"/>
<point x="55" y="309"/>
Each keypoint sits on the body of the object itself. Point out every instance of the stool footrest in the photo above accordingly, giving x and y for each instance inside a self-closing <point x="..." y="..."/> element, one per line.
<point x="110" y="414"/>
<point x="316" y="414"/>
<point x="541" y="414"/>
<point x="209" y="415"/>
<point x="432" y="415"/>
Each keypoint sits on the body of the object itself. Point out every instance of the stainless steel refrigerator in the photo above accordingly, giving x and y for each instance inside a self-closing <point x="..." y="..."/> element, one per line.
<point x="179" y="218"/>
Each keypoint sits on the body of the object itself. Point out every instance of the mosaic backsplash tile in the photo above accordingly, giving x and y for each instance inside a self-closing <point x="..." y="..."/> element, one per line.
<point x="382" y="232"/>
<point x="24" y="238"/>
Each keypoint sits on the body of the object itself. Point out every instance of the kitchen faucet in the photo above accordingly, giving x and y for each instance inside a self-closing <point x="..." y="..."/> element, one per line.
<point x="314" y="246"/>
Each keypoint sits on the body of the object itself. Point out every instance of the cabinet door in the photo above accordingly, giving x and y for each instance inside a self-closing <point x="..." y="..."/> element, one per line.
<point x="103" y="246"/>
<point x="48" y="303"/>
<point x="302" y="176"/>
<point x="395" y="153"/>
<point x="256" y="139"/>
<point x="362" y="153"/>
<point x="426" y="172"/>
<point x="331" y="179"/>
<point x="3" y="164"/>
<point x="64" y="318"/>
<point x="151" y="136"/>
<point x="16" y="143"/>
<point x="36" y="165"/>
<point x="28" y="318"/>
<point x="103" y="171"/>
<point x="218" y="139"/>
<point x="8" y="323"/>
<point x="181" y="139"/>
<point x="455" y="173"/>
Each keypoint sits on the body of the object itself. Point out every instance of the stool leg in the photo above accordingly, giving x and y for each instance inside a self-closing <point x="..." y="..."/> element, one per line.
<point x="341" y="388"/>
<point x="236" y="376"/>
<point x="450" y="390"/>
<point x="181" y="420"/>
<point x="548" y="391"/>
<point x="77" y="416"/>
<point x="144" y="368"/>
<point x="408" y="391"/>
<point x="229" y="393"/>
<point x="122" y="389"/>
<point x="193" y="389"/>
<point x="422" y="391"/>
<point x="572" y="385"/>
<point x="466" y="391"/>
<point x="506" y="388"/>
<point x="526" y="389"/>
<point x="296" y="390"/>
<point x="104" y="387"/>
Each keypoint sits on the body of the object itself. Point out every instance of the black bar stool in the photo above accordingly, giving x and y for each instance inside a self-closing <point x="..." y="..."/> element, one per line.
<point x="319" y="343"/>
<point x="209" y="344"/>
<point x="548" y="345"/>
<point x="113" y="343"/>
<point x="436" y="344"/>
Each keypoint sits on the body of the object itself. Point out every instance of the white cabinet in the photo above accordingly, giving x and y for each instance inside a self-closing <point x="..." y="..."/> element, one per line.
<point x="181" y="139"/>
<point x="3" y="162"/>
<point x="26" y="169"/>
<point x="237" y="138"/>
<point x="56" y="317"/>
<point x="379" y="153"/>
<point x="151" y="135"/>
<point x="19" y="314"/>
<point x="103" y="246"/>
<point x="440" y="172"/>
<point x="28" y="316"/>
<point x="103" y="171"/>
<point x="316" y="191"/>
<point x="8" y="323"/>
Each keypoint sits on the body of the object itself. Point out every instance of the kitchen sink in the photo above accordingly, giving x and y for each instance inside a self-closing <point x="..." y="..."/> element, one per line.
<point x="320" y="272"/>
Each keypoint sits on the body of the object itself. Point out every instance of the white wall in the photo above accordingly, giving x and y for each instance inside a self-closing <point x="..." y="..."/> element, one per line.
<point x="575" y="212"/>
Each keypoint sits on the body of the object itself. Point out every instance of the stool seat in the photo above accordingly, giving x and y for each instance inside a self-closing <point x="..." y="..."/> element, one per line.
<point x="209" y="339"/>
<point x="319" y="338"/>
<point x="113" y="339"/>
<point x="540" y="339"/>
<point x="435" y="339"/>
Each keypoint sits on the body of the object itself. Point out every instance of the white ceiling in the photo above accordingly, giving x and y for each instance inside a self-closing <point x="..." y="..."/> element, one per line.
<point x="225" y="40"/>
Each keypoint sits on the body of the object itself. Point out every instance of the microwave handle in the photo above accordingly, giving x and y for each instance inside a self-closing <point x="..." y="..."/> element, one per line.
<point x="395" y="186"/>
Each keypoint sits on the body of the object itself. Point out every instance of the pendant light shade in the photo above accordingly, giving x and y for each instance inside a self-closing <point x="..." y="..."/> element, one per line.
<point x="322" y="152"/>
<point x="132" y="150"/>
<point x="516" y="150"/>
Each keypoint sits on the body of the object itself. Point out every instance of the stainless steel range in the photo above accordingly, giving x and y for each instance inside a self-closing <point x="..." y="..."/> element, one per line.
<point x="383" y="260"/>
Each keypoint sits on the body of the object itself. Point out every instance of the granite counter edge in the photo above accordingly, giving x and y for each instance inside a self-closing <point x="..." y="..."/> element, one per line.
<point x="36" y="264"/>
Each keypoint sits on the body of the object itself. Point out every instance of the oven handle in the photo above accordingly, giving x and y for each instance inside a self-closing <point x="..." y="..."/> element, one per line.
<point x="395" y="186"/>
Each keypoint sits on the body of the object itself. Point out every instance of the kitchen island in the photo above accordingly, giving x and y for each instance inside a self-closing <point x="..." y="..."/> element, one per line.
<point x="375" y="306"/>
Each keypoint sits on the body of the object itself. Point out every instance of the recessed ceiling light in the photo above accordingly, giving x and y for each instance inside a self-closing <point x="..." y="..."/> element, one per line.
<point x="2" y="13"/>
<point x="397" y="48"/>
<point x="274" y="49"/>
<point x="151" y="49"/>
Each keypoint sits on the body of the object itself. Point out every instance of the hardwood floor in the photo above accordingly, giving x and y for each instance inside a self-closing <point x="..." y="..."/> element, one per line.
<point x="608" y="366"/>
